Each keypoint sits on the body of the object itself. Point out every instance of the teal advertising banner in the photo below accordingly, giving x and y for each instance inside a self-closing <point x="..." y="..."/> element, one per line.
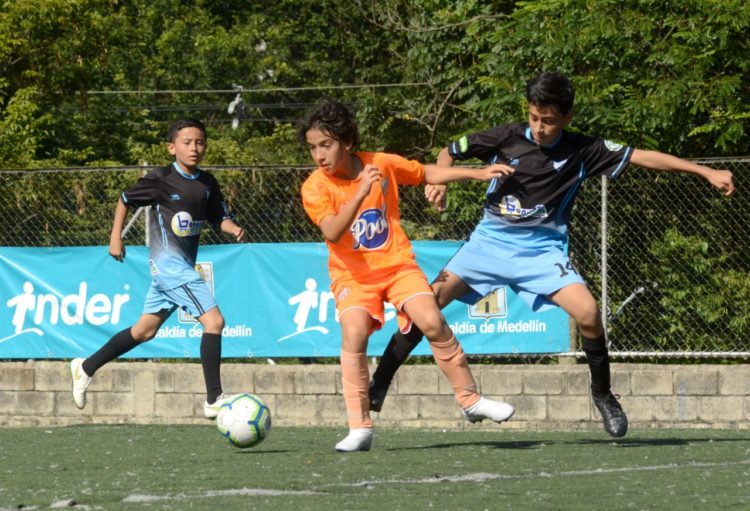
<point x="67" y="302"/>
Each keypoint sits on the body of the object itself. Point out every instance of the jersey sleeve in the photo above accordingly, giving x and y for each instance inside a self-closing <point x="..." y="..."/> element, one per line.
<point x="482" y="145"/>
<point x="217" y="210"/>
<point x="605" y="158"/>
<point x="407" y="172"/>
<point x="146" y="191"/>
<point x="316" y="199"/>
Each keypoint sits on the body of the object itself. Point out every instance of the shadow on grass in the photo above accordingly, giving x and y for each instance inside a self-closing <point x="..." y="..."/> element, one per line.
<point x="653" y="442"/>
<point x="523" y="444"/>
<point x="533" y="444"/>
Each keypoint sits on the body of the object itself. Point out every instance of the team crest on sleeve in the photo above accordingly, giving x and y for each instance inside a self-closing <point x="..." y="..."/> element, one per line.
<point x="370" y="230"/>
<point x="463" y="144"/>
<point x="612" y="146"/>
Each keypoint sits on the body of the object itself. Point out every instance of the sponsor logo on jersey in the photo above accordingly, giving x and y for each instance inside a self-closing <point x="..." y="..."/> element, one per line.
<point x="511" y="207"/>
<point x="174" y="197"/>
<point x="184" y="225"/>
<point x="612" y="146"/>
<point x="370" y="230"/>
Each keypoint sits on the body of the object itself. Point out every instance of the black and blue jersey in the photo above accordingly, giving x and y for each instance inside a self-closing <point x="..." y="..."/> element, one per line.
<point x="182" y="204"/>
<point x="534" y="203"/>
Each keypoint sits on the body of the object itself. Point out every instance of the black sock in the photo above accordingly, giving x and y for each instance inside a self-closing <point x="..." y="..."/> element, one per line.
<point x="598" y="358"/>
<point x="211" y="361"/>
<point x="118" y="344"/>
<point x="395" y="354"/>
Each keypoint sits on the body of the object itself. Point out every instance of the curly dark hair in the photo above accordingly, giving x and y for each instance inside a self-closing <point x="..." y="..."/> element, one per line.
<point x="331" y="117"/>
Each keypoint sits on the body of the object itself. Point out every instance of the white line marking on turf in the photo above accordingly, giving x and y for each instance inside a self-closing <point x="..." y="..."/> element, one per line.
<point x="481" y="477"/>
<point x="240" y="492"/>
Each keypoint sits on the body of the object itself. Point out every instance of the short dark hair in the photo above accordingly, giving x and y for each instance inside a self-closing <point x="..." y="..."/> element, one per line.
<point x="332" y="117"/>
<point x="176" y="126"/>
<point x="551" y="88"/>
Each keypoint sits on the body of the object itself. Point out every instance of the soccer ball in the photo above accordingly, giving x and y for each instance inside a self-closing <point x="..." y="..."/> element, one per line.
<point x="244" y="420"/>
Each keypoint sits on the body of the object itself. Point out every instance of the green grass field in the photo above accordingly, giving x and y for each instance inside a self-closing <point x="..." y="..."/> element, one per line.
<point x="192" y="467"/>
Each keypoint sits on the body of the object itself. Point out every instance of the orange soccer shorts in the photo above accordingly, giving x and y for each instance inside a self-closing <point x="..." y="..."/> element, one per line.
<point x="396" y="288"/>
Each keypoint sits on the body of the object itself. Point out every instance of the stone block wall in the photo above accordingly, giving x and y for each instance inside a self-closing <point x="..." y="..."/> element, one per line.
<point x="546" y="397"/>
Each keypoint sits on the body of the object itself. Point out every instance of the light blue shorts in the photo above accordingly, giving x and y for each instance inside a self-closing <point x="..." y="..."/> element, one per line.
<point x="195" y="298"/>
<point x="486" y="264"/>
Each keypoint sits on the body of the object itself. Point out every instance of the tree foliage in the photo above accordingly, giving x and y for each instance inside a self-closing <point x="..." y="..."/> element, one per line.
<point x="654" y="74"/>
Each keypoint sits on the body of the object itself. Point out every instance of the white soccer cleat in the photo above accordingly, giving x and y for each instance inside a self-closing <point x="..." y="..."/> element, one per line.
<point x="81" y="382"/>
<point x="356" y="440"/>
<point x="497" y="411"/>
<point x="212" y="410"/>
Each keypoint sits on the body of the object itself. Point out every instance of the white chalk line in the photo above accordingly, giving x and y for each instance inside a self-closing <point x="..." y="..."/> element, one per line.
<point x="478" y="477"/>
<point x="240" y="492"/>
<point x="481" y="477"/>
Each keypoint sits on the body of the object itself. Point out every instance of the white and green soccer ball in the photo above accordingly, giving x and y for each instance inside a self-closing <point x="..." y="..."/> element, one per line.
<point x="244" y="420"/>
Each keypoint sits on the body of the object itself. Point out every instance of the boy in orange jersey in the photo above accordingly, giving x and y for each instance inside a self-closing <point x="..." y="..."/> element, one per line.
<point x="353" y="198"/>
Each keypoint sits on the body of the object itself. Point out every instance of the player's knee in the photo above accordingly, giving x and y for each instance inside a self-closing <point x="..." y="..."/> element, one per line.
<point x="433" y="326"/>
<point x="351" y="332"/>
<point x="213" y="323"/>
<point x="143" y="334"/>
<point x="588" y="317"/>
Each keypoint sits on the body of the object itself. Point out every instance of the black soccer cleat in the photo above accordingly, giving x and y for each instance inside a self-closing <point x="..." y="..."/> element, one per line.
<point x="613" y="416"/>
<point x="377" y="396"/>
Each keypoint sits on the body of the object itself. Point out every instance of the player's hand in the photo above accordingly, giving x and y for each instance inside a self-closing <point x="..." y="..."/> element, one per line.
<point x="117" y="249"/>
<point x="239" y="234"/>
<point x="723" y="180"/>
<point x="436" y="195"/>
<point x="498" y="170"/>
<point x="370" y="174"/>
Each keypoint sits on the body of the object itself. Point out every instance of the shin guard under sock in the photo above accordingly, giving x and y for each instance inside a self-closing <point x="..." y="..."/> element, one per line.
<point x="118" y="344"/>
<point x="355" y="379"/>
<point x="451" y="360"/>
<point x="211" y="362"/>
<point x="598" y="359"/>
<point x="395" y="354"/>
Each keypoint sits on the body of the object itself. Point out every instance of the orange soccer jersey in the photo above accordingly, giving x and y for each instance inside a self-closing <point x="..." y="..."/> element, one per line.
<point x="375" y="242"/>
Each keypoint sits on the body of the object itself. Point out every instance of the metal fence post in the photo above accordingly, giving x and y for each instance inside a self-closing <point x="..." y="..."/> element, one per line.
<point x="604" y="299"/>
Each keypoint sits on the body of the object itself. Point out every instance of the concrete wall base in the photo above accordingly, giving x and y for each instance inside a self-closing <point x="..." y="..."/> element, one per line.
<point x="546" y="397"/>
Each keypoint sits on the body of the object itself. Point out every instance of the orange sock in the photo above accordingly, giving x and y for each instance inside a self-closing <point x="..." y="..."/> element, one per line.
<point x="451" y="359"/>
<point x="355" y="377"/>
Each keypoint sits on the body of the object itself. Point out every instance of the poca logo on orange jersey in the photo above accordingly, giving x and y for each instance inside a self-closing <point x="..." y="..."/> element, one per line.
<point x="370" y="230"/>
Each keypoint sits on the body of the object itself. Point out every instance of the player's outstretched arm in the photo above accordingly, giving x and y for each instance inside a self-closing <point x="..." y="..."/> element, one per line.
<point x="438" y="174"/>
<point x="719" y="178"/>
<point x="229" y="227"/>
<point x="116" y="246"/>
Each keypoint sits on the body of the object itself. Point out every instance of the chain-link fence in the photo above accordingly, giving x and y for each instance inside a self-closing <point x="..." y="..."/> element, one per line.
<point x="673" y="273"/>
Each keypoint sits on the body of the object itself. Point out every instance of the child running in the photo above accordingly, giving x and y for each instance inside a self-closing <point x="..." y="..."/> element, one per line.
<point x="183" y="198"/>
<point x="353" y="198"/>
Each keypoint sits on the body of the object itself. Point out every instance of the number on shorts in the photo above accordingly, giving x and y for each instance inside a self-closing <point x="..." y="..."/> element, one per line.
<point x="565" y="270"/>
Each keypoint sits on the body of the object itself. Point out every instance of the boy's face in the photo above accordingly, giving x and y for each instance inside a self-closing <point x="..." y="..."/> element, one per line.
<point x="188" y="148"/>
<point x="547" y="123"/>
<point x="329" y="153"/>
